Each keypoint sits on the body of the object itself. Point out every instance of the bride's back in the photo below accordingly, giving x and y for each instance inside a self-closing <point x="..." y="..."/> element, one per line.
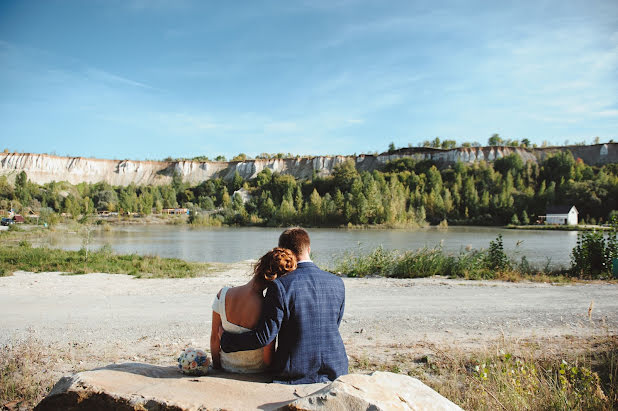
<point x="243" y="306"/>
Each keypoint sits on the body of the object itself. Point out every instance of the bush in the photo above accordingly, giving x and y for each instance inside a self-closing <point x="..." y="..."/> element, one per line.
<point x="593" y="254"/>
<point x="496" y="258"/>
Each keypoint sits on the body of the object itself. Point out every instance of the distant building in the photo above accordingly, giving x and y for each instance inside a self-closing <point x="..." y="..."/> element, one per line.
<point x="18" y="219"/>
<point x="562" y="215"/>
<point x="175" y="211"/>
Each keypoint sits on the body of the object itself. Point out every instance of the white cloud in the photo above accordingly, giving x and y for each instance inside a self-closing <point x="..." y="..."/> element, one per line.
<point x="608" y="113"/>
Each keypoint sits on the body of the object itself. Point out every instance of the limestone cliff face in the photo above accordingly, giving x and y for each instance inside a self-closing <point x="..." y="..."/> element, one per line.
<point x="43" y="168"/>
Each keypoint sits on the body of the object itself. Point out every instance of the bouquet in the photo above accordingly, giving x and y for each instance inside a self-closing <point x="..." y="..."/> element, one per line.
<point x="193" y="362"/>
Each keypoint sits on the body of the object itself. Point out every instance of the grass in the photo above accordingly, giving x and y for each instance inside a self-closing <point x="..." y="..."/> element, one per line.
<point x="573" y="373"/>
<point x="499" y="379"/>
<point x="22" y="384"/>
<point x="24" y="257"/>
<point x="427" y="262"/>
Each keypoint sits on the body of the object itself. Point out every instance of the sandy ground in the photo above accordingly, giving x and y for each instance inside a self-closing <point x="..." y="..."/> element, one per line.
<point x="120" y="316"/>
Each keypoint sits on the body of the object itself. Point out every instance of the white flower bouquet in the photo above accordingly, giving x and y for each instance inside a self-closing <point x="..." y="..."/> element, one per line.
<point x="193" y="362"/>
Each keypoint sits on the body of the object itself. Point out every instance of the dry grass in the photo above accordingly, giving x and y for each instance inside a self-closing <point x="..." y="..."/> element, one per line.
<point x="570" y="374"/>
<point x="25" y="376"/>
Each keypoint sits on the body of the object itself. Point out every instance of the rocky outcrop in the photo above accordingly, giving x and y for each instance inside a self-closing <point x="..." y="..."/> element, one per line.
<point x="149" y="387"/>
<point x="43" y="168"/>
<point x="378" y="391"/>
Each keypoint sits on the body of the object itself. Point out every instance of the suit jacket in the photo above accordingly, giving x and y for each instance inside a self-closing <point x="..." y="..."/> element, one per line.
<point x="305" y="308"/>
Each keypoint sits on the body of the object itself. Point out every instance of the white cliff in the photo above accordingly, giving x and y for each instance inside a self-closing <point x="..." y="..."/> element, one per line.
<point x="43" y="168"/>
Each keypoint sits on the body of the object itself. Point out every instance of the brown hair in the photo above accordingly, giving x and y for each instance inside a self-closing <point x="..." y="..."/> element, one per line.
<point x="295" y="239"/>
<point x="275" y="263"/>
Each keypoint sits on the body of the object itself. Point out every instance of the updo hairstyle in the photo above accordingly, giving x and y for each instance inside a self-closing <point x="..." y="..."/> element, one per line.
<point x="275" y="263"/>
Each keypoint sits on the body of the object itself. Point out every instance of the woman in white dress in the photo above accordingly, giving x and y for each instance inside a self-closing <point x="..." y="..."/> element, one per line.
<point x="238" y="310"/>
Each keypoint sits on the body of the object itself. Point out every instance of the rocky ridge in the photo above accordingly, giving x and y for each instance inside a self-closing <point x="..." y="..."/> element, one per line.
<point x="44" y="168"/>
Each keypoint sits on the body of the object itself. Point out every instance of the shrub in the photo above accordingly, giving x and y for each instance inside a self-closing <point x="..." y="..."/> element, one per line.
<point x="593" y="254"/>
<point x="496" y="258"/>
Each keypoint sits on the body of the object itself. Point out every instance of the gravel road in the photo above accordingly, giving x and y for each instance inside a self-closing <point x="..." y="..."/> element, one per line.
<point x="110" y="310"/>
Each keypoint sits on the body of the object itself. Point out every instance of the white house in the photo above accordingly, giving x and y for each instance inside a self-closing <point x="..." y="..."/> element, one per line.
<point x="562" y="215"/>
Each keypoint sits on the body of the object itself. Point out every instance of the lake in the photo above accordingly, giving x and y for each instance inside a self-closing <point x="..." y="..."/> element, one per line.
<point x="237" y="244"/>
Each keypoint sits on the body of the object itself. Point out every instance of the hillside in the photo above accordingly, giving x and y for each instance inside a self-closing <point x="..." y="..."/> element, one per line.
<point x="43" y="168"/>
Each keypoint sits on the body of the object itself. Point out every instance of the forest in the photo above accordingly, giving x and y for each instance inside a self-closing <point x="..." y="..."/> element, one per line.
<point x="404" y="192"/>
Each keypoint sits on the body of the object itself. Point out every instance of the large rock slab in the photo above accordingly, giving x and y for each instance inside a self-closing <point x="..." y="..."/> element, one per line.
<point x="135" y="386"/>
<point x="377" y="391"/>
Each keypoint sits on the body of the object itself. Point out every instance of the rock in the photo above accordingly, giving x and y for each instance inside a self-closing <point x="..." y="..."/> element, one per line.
<point x="377" y="391"/>
<point x="135" y="386"/>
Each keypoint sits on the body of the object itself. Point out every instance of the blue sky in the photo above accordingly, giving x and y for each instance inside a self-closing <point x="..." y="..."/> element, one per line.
<point x="149" y="79"/>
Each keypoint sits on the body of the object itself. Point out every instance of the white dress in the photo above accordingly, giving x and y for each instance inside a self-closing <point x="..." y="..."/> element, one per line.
<point x="245" y="362"/>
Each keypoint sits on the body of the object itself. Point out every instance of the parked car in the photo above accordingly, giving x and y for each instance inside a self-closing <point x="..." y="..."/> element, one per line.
<point x="7" y="221"/>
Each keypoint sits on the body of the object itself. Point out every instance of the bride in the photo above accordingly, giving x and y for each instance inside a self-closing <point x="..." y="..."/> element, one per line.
<point x="238" y="310"/>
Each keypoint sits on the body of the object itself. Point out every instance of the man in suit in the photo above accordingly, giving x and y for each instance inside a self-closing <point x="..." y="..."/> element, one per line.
<point x="305" y="308"/>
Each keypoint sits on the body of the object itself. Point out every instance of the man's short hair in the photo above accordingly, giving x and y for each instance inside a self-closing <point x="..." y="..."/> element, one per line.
<point x="295" y="239"/>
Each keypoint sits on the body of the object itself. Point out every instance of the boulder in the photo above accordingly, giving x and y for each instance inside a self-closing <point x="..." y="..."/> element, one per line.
<point x="133" y="386"/>
<point x="377" y="391"/>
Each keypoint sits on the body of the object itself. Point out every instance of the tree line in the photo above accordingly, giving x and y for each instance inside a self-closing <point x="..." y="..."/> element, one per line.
<point x="403" y="192"/>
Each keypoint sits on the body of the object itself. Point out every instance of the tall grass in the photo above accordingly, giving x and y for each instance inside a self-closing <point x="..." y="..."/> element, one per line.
<point x="500" y="379"/>
<point x="427" y="262"/>
<point x="424" y="262"/>
<point x="24" y="379"/>
<point x="506" y="381"/>
<point x="41" y="259"/>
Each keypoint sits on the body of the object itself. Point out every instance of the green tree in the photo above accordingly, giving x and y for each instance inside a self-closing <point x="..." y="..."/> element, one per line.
<point x="226" y="200"/>
<point x="512" y="163"/>
<point x="21" y="188"/>
<point x="106" y="200"/>
<point x="558" y="167"/>
<point x="344" y="174"/>
<point x="237" y="181"/>
<point x="494" y="140"/>
<point x="264" y="177"/>
<point x="525" y="220"/>
<point x="298" y="199"/>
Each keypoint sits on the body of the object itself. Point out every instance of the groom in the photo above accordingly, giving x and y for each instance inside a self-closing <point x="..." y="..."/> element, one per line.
<point x="305" y="308"/>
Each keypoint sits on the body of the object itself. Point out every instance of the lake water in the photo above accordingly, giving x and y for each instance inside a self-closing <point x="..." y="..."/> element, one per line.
<point x="237" y="244"/>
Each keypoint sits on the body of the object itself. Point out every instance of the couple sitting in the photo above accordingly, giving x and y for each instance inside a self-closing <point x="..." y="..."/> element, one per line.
<point x="303" y="306"/>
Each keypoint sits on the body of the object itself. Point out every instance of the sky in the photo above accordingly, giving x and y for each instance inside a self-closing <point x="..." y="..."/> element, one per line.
<point x="142" y="79"/>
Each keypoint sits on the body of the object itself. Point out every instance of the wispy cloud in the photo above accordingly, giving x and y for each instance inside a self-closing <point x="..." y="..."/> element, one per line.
<point x="106" y="77"/>
<point x="608" y="113"/>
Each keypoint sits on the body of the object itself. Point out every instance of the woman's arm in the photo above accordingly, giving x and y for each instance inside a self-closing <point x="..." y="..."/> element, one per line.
<point x="215" y="349"/>
<point x="268" y="354"/>
<point x="215" y="337"/>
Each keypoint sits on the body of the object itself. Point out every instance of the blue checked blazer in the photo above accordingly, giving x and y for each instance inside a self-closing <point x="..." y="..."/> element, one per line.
<point x="305" y="308"/>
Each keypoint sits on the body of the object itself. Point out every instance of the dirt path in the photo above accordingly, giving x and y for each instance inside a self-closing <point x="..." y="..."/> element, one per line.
<point x="102" y="310"/>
